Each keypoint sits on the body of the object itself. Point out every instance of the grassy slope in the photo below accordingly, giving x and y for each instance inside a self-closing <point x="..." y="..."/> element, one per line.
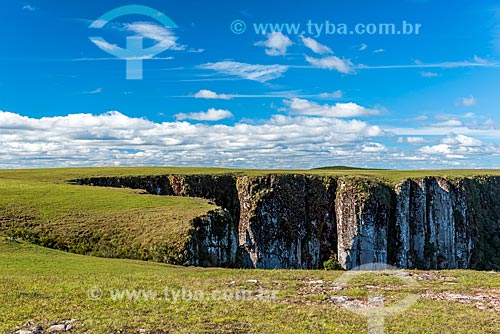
<point x="46" y="286"/>
<point x="43" y="207"/>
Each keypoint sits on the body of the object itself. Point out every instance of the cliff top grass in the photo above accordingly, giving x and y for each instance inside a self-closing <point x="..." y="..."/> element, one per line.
<point x="44" y="286"/>
<point x="42" y="207"/>
<point x="63" y="175"/>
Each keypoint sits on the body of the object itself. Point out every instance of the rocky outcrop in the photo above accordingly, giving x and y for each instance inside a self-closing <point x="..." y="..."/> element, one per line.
<point x="431" y="225"/>
<point x="301" y="220"/>
<point x="364" y="212"/>
<point x="214" y="241"/>
<point x="62" y="326"/>
<point x="287" y="221"/>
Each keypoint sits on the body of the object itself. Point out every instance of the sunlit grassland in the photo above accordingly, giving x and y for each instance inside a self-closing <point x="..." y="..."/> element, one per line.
<point x="46" y="286"/>
<point x="90" y="220"/>
<point x="61" y="175"/>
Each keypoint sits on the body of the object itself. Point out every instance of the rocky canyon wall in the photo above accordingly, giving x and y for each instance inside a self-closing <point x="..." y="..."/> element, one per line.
<point x="301" y="220"/>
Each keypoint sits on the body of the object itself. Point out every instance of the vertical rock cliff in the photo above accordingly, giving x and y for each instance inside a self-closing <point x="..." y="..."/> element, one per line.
<point x="364" y="212"/>
<point x="301" y="220"/>
<point x="431" y="229"/>
<point x="286" y="221"/>
<point x="214" y="241"/>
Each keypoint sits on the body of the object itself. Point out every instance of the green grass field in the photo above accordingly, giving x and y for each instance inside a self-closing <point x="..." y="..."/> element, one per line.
<point x="46" y="286"/>
<point x="61" y="175"/>
<point x="42" y="207"/>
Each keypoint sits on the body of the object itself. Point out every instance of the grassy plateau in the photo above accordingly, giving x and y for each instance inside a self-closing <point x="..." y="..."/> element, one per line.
<point x="47" y="286"/>
<point x="41" y="286"/>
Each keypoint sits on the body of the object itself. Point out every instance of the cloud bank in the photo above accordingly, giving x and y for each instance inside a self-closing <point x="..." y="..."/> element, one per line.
<point x="113" y="138"/>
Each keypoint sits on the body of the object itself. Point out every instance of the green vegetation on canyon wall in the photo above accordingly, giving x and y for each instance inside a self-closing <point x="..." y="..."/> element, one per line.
<point x="260" y="219"/>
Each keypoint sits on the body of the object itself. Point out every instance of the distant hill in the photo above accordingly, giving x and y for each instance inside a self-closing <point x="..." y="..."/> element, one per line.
<point x="344" y="168"/>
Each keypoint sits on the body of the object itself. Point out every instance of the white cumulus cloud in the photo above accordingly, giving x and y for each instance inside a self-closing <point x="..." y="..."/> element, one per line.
<point x="460" y="146"/>
<point x="315" y="46"/>
<point x="276" y="44"/>
<point x="448" y="124"/>
<point x="115" y="139"/>
<point x="208" y="94"/>
<point x="332" y="63"/>
<point x="333" y="95"/>
<point x="339" y="110"/>
<point x="209" y="115"/>
<point x="462" y="140"/>
<point x="415" y="140"/>
<point x="164" y="36"/>
<point x="373" y="147"/>
<point x="467" y="101"/>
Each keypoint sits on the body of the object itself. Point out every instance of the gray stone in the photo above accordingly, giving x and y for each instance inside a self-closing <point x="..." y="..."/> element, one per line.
<point x="57" y="328"/>
<point x="33" y="330"/>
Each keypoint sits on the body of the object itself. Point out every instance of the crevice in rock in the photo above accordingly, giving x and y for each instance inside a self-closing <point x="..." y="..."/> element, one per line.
<point x="300" y="220"/>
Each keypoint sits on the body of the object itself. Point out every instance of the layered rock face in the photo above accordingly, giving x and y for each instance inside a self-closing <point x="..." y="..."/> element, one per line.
<point x="214" y="241"/>
<point x="301" y="220"/>
<point x="431" y="220"/>
<point x="286" y="221"/>
<point x="364" y="214"/>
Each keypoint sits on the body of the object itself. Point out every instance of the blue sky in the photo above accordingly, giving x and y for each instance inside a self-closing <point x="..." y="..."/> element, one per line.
<point x="316" y="88"/>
